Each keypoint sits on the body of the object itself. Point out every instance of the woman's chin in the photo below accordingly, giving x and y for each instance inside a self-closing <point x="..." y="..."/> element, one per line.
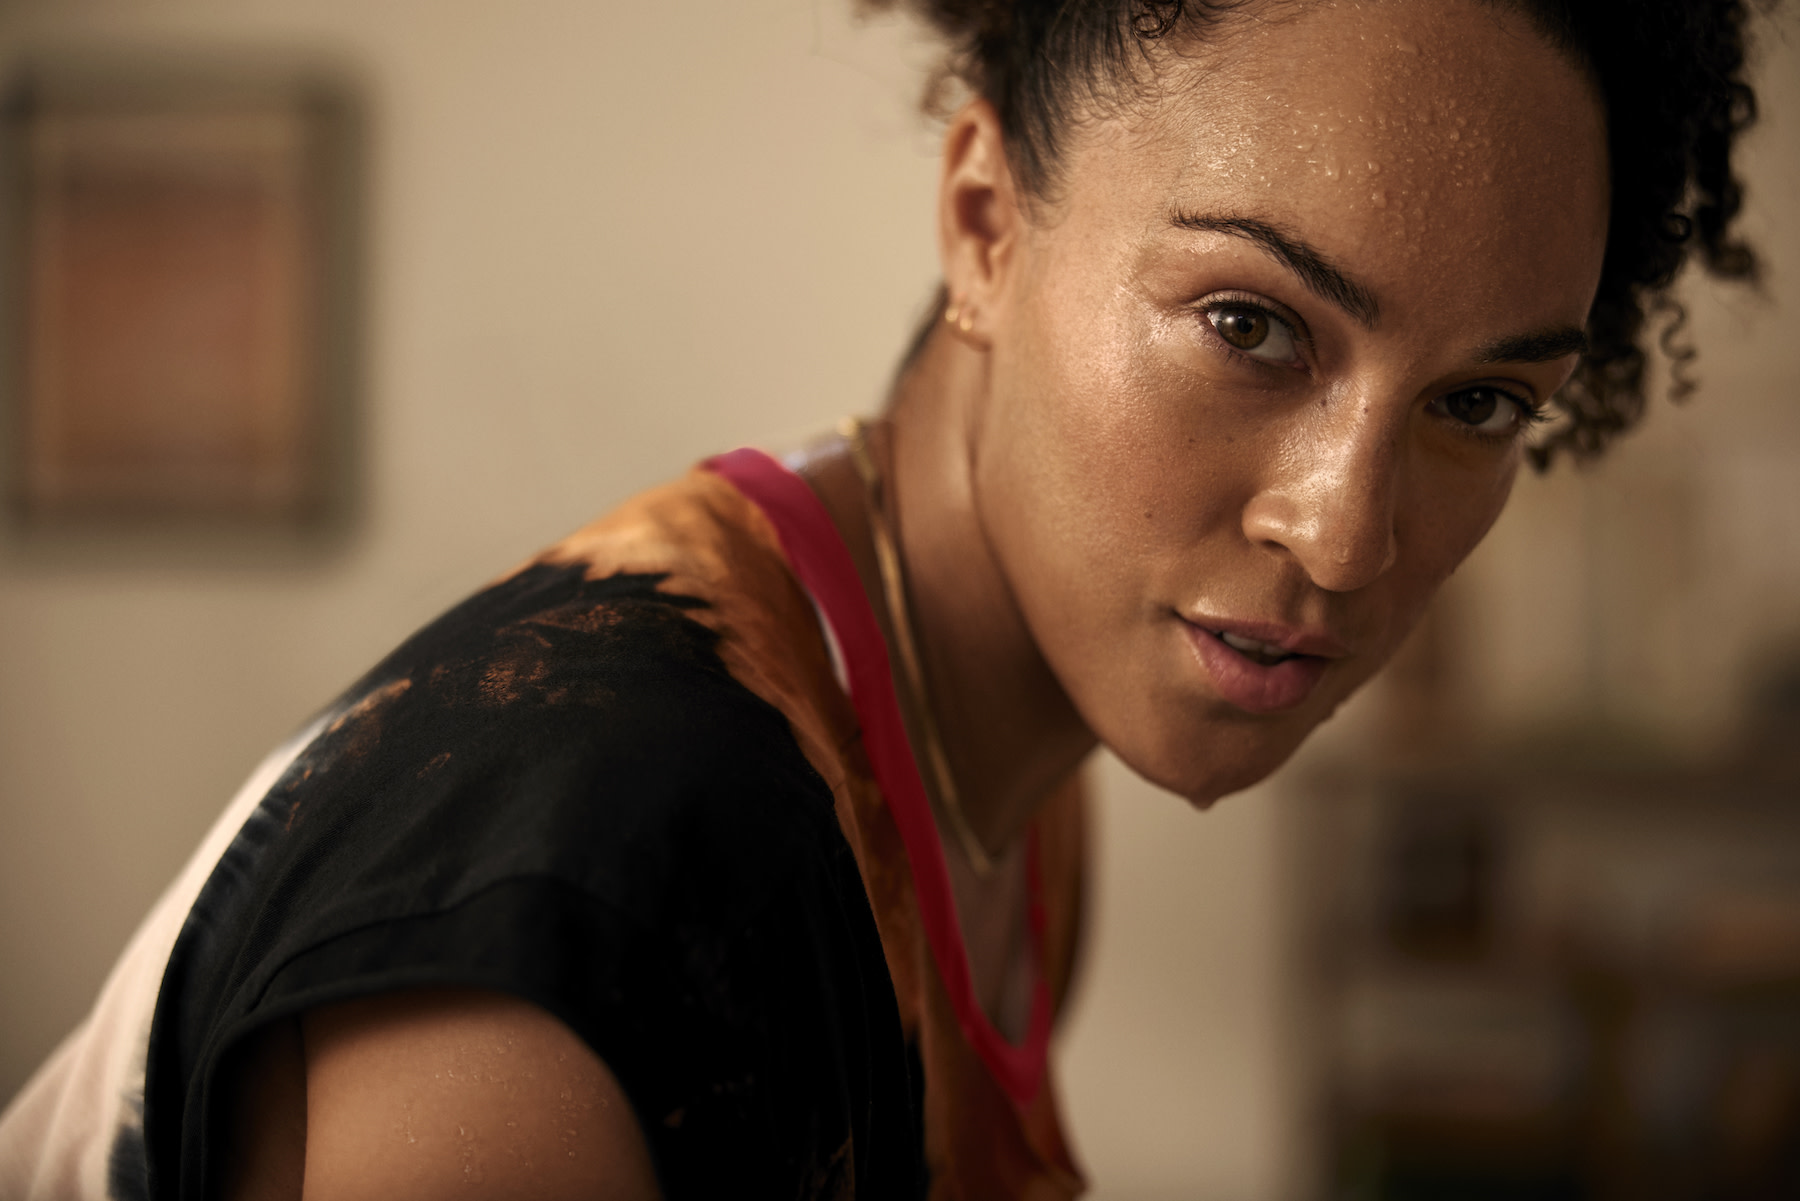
<point x="1205" y="767"/>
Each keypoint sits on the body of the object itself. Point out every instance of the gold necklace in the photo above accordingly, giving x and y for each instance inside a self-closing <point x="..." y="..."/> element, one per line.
<point x="893" y="587"/>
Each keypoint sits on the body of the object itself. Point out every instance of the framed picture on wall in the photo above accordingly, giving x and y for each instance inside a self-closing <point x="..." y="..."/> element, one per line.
<point x="179" y="295"/>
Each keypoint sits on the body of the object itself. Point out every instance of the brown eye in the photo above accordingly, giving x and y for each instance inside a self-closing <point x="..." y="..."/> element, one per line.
<point x="1245" y="329"/>
<point x="1484" y="409"/>
<point x="1254" y="331"/>
<point x="1477" y="406"/>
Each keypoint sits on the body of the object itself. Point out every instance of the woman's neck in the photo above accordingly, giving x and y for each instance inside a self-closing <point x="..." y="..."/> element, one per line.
<point x="1009" y="730"/>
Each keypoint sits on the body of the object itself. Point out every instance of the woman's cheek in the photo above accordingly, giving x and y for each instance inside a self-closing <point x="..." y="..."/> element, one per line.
<point x="1448" y="517"/>
<point x="1115" y="453"/>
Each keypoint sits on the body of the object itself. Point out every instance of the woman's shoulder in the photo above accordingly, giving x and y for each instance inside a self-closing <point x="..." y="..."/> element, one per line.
<point x="420" y="1093"/>
<point x="561" y="790"/>
<point x="571" y="728"/>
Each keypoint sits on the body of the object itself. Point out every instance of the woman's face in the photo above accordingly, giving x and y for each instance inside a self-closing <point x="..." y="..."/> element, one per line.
<point x="1260" y="370"/>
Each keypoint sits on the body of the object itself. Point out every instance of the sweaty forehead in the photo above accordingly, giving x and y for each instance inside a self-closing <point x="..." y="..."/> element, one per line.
<point x="1409" y="124"/>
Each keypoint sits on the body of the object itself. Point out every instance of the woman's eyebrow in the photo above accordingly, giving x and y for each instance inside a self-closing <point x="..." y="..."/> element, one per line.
<point x="1315" y="270"/>
<point x="1544" y="346"/>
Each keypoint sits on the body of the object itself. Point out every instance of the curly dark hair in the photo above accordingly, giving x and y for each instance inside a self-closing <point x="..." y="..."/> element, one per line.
<point x="1671" y="74"/>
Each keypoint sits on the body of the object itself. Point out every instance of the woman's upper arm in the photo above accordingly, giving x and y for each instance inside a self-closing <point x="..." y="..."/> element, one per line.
<point x="445" y="1093"/>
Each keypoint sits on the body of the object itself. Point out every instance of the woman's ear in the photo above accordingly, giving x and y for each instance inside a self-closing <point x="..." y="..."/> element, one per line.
<point x="979" y="219"/>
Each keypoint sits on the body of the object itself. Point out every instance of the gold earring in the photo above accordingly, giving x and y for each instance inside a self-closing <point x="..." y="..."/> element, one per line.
<point x="958" y="315"/>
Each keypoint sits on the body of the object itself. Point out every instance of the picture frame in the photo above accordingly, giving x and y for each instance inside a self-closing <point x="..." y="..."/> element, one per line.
<point x="181" y="293"/>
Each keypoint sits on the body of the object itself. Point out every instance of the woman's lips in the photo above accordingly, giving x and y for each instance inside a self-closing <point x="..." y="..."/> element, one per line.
<point x="1253" y="686"/>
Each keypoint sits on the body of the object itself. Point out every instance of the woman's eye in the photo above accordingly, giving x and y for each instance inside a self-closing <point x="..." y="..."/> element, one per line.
<point x="1486" y="410"/>
<point x="1256" y="332"/>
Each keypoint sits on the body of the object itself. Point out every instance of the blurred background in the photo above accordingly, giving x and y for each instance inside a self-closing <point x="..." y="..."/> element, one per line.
<point x="1523" y="921"/>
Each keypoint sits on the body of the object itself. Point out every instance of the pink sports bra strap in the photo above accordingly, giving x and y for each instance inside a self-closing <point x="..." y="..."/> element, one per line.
<point x="822" y="562"/>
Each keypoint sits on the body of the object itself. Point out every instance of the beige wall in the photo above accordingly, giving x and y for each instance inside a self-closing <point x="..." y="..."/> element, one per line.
<point x="604" y="240"/>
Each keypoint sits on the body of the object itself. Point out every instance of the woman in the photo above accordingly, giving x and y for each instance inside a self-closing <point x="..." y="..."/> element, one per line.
<point x="733" y="844"/>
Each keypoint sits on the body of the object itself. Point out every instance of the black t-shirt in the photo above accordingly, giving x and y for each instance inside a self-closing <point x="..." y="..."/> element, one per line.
<point x="558" y="791"/>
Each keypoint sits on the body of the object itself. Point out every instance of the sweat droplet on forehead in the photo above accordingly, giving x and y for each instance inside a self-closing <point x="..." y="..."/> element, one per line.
<point x="1420" y="143"/>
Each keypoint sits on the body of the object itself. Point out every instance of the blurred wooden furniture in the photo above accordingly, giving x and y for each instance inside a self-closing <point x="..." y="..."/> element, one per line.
<point x="1544" y="980"/>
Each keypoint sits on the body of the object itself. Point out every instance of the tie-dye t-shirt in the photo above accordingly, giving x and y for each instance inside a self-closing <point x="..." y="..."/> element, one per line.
<point x="655" y="782"/>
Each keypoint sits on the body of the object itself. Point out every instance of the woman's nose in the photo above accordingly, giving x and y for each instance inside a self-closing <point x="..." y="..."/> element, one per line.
<point x="1329" y="503"/>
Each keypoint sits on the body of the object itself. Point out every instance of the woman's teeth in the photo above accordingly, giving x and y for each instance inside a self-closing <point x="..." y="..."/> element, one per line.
<point x="1250" y="648"/>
